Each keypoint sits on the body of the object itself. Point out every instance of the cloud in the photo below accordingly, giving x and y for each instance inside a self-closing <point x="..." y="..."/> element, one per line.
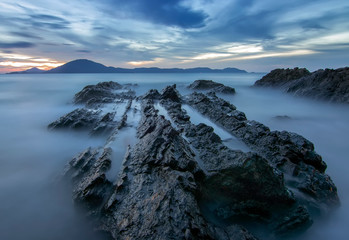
<point x="17" y="45"/>
<point x="170" y="12"/>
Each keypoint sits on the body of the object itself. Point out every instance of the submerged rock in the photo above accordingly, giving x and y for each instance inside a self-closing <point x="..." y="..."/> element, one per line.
<point x="211" y="85"/>
<point x="329" y="84"/>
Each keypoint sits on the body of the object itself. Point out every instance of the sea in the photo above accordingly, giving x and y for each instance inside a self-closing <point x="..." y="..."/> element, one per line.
<point x="34" y="206"/>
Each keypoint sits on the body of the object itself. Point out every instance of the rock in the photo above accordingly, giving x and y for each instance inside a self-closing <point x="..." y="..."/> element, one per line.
<point x="329" y="84"/>
<point x="155" y="196"/>
<point x="289" y="152"/>
<point x="90" y="185"/>
<point x="171" y="93"/>
<point x="104" y="92"/>
<point x="278" y="77"/>
<point x="179" y="181"/>
<point x="211" y="85"/>
<point x="297" y="220"/>
<point x="152" y="94"/>
<point x="80" y="118"/>
<point x="237" y="185"/>
<point x="93" y="117"/>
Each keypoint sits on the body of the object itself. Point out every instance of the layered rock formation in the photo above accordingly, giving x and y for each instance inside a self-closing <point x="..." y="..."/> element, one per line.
<point x="329" y="84"/>
<point x="211" y="86"/>
<point x="180" y="181"/>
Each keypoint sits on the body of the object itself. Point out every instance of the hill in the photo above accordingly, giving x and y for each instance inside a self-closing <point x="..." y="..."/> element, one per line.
<point x="88" y="66"/>
<point x="32" y="70"/>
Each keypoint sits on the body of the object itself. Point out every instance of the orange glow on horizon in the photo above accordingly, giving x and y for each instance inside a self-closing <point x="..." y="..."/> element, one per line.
<point x="13" y="66"/>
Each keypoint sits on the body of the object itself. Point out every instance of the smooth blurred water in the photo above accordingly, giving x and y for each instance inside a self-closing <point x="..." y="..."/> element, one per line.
<point x="32" y="207"/>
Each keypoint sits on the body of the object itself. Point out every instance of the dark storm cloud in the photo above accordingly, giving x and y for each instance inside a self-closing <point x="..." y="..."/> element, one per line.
<point x="169" y="12"/>
<point x="16" y="45"/>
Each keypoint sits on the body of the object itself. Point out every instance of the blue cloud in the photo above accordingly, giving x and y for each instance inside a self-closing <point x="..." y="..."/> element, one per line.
<point x="16" y="45"/>
<point x="167" y="12"/>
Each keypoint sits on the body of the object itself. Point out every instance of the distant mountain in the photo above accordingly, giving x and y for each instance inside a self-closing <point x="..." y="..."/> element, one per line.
<point x="88" y="66"/>
<point x="82" y="66"/>
<point x="32" y="70"/>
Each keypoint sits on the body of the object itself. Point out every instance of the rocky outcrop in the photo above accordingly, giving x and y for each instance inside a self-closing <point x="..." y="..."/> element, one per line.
<point x="211" y="86"/>
<point x="240" y="185"/>
<point x="155" y="194"/>
<point x="279" y="77"/>
<point x="289" y="152"/>
<point x="104" y="92"/>
<point x="180" y="181"/>
<point x="329" y="84"/>
<point x="99" y="115"/>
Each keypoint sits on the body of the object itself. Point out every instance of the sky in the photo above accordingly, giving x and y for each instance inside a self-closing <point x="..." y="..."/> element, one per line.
<point x="252" y="35"/>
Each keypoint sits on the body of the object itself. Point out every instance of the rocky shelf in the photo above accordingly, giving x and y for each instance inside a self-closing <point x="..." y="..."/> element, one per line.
<point x="329" y="84"/>
<point x="180" y="180"/>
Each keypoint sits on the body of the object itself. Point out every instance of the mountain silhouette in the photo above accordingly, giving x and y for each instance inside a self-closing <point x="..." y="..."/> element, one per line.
<point x="88" y="66"/>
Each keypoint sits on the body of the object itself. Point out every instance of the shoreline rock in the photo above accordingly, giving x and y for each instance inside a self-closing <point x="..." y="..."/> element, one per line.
<point x="211" y="86"/>
<point x="328" y="85"/>
<point x="179" y="181"/>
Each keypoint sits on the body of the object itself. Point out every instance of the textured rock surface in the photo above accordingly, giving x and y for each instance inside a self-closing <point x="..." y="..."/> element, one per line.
<point x="179" y="181"/>
<point x="93" y="117"/>
<point x="329" y="84"/>
<point x="289" y="152"/>
<point x="211" y="85"/>
<point x="278" y="77"/>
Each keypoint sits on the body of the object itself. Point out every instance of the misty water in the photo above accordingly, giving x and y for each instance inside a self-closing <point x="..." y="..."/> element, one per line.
<point x="34" y="206"/>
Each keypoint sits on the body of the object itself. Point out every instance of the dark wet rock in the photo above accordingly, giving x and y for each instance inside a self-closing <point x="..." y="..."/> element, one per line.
<point x="179" y="181"/>
<point x="103" y="92"/>
<point x="289" y="152"/>
<point x="278" y="77"/>
<point x="94" y="121"/>
<point x="80" y="118"/>
<point x="211" y="85"/>
<point x="170" y="93"/>
<point x="90" y="185"/>
<point x="329" y="84"/>
<point x="155" y="196"/>
<point x="93" y="117"/>
<point x="296" y="221"/>
<point x="238" y="185"/>
<point x="152" y="94"/>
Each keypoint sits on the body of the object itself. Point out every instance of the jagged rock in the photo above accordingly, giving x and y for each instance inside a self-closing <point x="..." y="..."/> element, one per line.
<point x="289" y="152"/>
<point x="175" y="174"/>
<point x="92" y="117"/>
<point x="90" y="185"/>
<point x="80" y="118"/>
<point x="237" y="185"/>
<point x="103" y="92"/>
<point x="170" y="93"/>
<point x="278" y="77"/>
<point x="329" y="84"/>
<point x="155" y="196"/>
<point x="152" y="94"/>
<point x="297" y="220"/>
<point x="211" y="85"/>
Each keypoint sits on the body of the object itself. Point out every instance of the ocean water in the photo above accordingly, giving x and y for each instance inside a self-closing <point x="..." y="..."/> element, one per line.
<point x="34" y="206"/>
